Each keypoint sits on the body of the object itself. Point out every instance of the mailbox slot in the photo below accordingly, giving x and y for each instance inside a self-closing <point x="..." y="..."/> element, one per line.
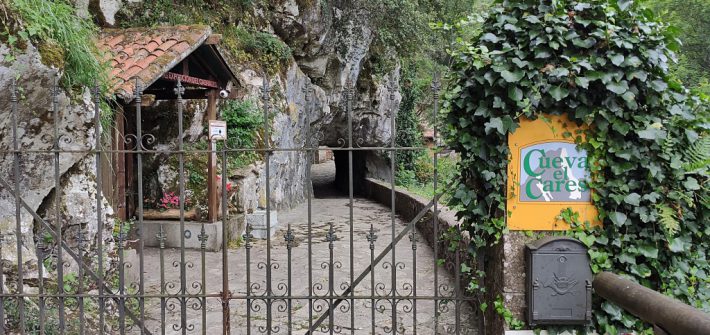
<point x="559" y="282"/>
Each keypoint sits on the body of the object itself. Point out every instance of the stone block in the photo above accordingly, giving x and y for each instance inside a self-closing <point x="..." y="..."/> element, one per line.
<point x="257" y="222"/>
<point x="173" y="234"/>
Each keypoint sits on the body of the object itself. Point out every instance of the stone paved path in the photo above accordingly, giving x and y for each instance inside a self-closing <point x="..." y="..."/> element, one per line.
<point x="414" y="270"/>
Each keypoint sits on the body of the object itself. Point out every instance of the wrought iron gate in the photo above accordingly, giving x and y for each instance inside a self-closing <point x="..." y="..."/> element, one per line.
<point x="329" y="278"/>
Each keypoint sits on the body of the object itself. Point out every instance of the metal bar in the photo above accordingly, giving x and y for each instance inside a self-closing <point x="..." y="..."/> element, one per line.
<point x="2" y="290"/>
<point x="99" y="210"/>
<point x="57" y="206"/>
<point x="161" y="244"/>
<point x="18" y="226"/>
<point x="267" y="156"/>
<point x="309" y="195"/>
<point x="203" y="268"/>
<point x="393" y="214"/>
<point x="372" y="238"/>
<point x="121" y="280"/>
<point x="141" y="241"/>
<point x="435" y="87"/>
<point x="671" y="315"/>
<point x="179" y="90"/>
<point x="411" y="225"/>
<point x="256" y="150"/>
<point x="226" y="324"/>
<point x="351" y="203"/>
<point x="69" y="252"/>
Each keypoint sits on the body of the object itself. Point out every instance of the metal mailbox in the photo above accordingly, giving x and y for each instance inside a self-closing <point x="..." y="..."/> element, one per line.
<point x="559" y="282"/>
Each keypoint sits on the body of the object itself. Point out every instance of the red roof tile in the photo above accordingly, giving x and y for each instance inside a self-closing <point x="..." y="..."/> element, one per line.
<point x="147" y="53"/>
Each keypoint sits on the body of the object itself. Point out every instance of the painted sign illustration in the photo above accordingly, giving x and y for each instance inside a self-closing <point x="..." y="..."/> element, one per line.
<point x="554" y="172"/>
<point x="547" y="173"/>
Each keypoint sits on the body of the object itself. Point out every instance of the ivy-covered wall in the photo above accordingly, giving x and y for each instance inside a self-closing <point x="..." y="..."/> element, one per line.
<point x="604" y="64"/>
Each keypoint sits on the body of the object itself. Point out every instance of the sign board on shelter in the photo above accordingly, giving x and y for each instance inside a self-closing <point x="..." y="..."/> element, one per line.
<point x="218" y="130"/>
<point x="547" y="173"/>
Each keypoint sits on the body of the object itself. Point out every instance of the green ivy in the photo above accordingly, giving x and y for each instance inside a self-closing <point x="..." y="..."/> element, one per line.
<point x="605" y="64"/>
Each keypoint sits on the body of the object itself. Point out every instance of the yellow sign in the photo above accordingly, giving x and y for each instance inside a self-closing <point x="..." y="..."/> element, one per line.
<point x="547" y="173"/>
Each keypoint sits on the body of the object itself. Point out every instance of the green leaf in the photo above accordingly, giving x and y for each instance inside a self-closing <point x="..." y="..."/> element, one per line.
<point x="616" y="59"/>
<point x="532" y="19"/>
<point x="559" y="93"/>
<point x="632" y="199"/>
<point x="628" y="96"/>
<point x="515" y="93"/>
<point x="495" y="123"/>
<point x="613" y="310"/>
<point x="659" y="85"/>
<point x="618" y="87"/>
<point x="648" y="250"/>
<point x="624" y="4"/>
<point x="489" y="37"/>
<point x="585" y="43"/>
<point x="627" y="258"/>
<point x="542" y="53"/>
<point x="641" y="270"/>
<point x="679" y="244"/>
<point x="691" y="184"/>
<point x="652" y="133"/>
<point x="618" y="218"/>
<point x="582" y="82"/>
<point x="588" y="240"/>
<point x="512" y="77"/>
<point x="638" y="74"/>
<point x="632" y="61"/>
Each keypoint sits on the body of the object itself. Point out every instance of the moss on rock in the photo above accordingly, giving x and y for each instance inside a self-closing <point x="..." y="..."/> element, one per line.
<point x="52" y="54"/>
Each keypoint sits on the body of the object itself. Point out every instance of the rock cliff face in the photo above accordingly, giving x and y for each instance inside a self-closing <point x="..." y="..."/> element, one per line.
<point x="332" y="45"/>
<point x="35" y="137"/>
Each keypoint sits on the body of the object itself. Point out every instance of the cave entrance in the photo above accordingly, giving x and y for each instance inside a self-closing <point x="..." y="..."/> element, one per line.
<point x="343" y="171"/>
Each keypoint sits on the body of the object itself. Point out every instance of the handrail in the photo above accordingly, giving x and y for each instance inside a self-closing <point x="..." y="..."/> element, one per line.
<point x="668" y="314"/>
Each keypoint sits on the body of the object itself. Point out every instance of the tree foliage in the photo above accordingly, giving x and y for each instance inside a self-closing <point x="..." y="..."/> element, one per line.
<point x="605" y="64"/>
<point x="691" y="19"/>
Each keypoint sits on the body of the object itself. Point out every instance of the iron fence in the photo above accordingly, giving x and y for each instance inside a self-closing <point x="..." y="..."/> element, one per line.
<point x="342" y="275"/>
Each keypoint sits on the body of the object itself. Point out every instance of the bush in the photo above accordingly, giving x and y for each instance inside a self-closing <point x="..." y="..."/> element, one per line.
<point x="264" y="48"/>
<point x="605" y="64"/>
<point x="243" y="123"/>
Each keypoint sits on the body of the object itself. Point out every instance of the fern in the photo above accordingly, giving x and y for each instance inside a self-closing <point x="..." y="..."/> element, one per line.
<point x="667" y="219"/>
<point x="697" y="157"/>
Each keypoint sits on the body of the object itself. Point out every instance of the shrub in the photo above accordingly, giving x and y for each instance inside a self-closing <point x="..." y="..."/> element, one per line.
<point x="605" y="64"/>
<point x="243" y="123"/>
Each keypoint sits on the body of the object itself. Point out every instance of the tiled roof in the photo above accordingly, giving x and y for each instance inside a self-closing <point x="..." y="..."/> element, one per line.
<point x="147" y="53"/>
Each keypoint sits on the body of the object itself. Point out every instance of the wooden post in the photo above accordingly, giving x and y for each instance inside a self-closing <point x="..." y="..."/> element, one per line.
<point x="212" y="204"/>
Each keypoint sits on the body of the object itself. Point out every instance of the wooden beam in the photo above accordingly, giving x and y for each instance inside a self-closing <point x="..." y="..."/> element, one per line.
<point x="212" y="200"/>
<point x="169" y="94"/>
<point x="213" y="39"/>
<point x="171" y="76"/>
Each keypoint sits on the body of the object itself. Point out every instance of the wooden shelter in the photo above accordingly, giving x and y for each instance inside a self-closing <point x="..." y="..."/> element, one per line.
<point x="158" y="58"/>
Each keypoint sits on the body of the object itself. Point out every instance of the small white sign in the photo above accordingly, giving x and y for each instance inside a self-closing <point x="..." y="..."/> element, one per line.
<point x="218" y="130"/>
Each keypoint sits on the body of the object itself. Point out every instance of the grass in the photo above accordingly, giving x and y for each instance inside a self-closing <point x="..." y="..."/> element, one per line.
<point x="64" y="41"/>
